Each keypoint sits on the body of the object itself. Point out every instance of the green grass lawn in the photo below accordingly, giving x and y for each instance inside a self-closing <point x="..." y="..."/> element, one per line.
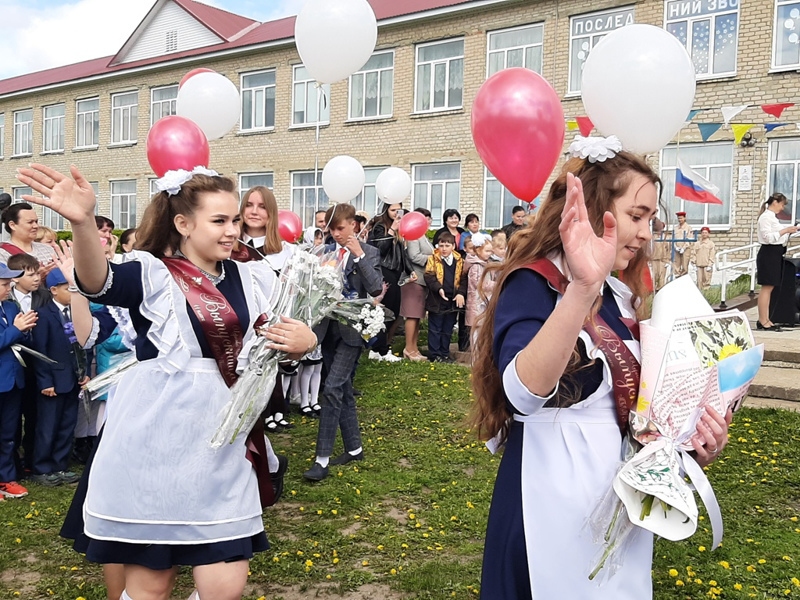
<point x="409" y="521"/>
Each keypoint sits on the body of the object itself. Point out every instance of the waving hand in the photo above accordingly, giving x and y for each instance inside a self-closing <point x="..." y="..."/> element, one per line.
<point x="72" y="198"/>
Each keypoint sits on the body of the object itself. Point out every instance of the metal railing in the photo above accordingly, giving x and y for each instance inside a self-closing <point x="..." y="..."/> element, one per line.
<point x="747" y="266"/>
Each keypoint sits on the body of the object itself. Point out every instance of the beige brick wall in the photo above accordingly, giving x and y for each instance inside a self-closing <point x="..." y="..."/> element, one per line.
<point x="406" y="138"/>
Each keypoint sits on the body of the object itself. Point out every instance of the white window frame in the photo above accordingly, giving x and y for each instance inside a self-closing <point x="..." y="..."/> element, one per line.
<point x="323" y="99"/>
<point x="18" y="191"/>
<point x="362" y="74"/>
<point x="261" y="91"/>
<point x="81" y="118"/>
<point x="507" y="197"/>
<point x="505" y="51"/>
<point x="367" y="199"/>
<point x="794" y="195"/>
<point x="2" y="134"/>
<point x="52" y="219"/>
<point x="126" y="113"/>
<point x="448" y="62"/>
<point x="730" y="7"/>
<point x="96" y="187"/>
<point x="430" y="183"/>
<point x="123" y="219"/>
<point x="704" y="171"/>
<point x="321" y="201"/>
<point x="593" y="36"/>
<point x="23" y="128"/>
<point x="243" y="176"/>
<point x="778" y="24"/>
<point x="51" y="123"/>
<point x="171" y="104"/>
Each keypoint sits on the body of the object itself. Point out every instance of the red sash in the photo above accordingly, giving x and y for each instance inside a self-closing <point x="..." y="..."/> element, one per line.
<point x="12" y="249"/>
<point x="225" y="337"/>
<point x="625" y="368"/>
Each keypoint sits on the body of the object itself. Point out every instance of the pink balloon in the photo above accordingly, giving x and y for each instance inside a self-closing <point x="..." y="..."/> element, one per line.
<point x="290" y="227"/>
<point x="192" y="73"/>
<point x="413" y="226"/>
<point x="518" y="129"/>
<point x="176" y="143"/>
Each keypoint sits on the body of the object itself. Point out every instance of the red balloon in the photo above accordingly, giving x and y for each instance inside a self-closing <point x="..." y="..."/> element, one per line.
<point x="518" y="129"/>
<point x="192" y="73"/>
<point x="290" y="227"/>
<point x="176" y="143"/>
<point x="413" y="226"/>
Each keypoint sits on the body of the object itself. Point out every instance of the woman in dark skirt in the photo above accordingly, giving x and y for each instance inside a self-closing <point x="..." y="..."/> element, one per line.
<point x="158" y="496"/>
<point x="773" y="237"/>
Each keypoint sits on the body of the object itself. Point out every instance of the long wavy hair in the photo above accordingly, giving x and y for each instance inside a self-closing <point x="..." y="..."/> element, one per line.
<point x="603" y="183"/>
<point x="272" y="241"/>
<point x="157" y="234"/>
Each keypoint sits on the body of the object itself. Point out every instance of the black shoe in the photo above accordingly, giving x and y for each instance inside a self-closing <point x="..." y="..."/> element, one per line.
<point x="277" y="476"/>
<point x="357" y="393"/>
<point x="47" y="480"/>
<point x="770" y="328"/>
<point x="68" y="476"/>
<point x="309" y="412"/>
<point x="316" y="473"/>
<point x="346" y="457"/>
<point x="284" y="424"/>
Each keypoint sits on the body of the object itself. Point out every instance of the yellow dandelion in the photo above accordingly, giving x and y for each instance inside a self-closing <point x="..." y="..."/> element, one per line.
<point x="673" y="573"/>
<point x="679" y="583"/>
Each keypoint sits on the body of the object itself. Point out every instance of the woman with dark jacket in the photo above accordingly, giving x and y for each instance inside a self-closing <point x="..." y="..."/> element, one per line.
<point x="451" y="218"/>
<point x="385" y="237"/>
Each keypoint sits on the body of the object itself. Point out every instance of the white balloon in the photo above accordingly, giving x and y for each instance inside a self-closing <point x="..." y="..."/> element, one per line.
<point x="393" y="185"/>
<point x="212" y="101"/>
<point x="638" y="84"/>
<point x="335" y="38"/>
<point x="343" y="178"/>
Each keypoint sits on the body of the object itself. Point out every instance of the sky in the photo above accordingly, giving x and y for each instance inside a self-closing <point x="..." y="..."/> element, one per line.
<point x="41" y="34"/>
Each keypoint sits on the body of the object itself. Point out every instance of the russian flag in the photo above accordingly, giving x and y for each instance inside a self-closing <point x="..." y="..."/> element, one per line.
<point x="692" y="186"/>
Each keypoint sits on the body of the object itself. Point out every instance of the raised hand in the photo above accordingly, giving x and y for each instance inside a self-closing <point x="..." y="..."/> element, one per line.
<point x="64" y="260"/>
<point x="72" y="198"/>
<point x="590" y="258"/>
<point x="26" y="321"/>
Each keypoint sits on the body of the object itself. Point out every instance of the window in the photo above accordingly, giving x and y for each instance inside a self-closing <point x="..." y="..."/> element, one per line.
<point x="517" y="47"/>
<point x="2" y="134"/>
<point x="172" y="40"/>
<point x="309" y="101"/>
<point x="87" y="123"/>
<point x="123" y="203"/>
<point x="19" y="192"/>
<point x="258" y="100"/>
<point x="96" y="187"/>
<point x="248" y="180"/>
<point x="784" y="175"/>
<point x="371" y="88"/>
<point x="498" y="202"/>
<point x="584" y="33"/>
<point x="307" y="197"/>
<point x="715" y="163"/>
<point x="124" y="117"/>
<point x="786" y="35"/>
<point x="440" y="76"/>
<point x="163" y="102"/>
<point x="23" y="132"/>
<point x="708" y="29"/>
<point x="53" y="128"/>
<point x="367" y="200"/>
<point x="52" y="219"/>
<point x="436" y="187"/>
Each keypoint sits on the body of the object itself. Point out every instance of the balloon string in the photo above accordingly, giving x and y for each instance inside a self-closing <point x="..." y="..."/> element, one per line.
<point x="316" y="151"/>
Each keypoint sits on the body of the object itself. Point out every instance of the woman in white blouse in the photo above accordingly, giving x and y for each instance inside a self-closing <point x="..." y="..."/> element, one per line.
<point x="773" y="237"/>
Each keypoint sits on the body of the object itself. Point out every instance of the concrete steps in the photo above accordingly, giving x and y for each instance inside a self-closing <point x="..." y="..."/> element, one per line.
<point x="777" y="384"/>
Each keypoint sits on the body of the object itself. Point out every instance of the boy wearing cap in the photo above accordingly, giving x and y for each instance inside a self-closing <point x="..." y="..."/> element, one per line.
<point x="704" y="257"/>
<point x="14" y="326"/>
<point x="683" y="250"/>
<point x="59" y="385"/>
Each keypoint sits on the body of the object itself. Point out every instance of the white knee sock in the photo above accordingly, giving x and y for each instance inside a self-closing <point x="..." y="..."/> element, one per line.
<point x="272" y="458"/>
<point x="305" y="378"/>
<point x="313" y="385"/>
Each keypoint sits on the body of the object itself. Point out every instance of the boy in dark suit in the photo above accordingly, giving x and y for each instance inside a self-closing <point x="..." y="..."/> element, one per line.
<point x="14" y="325"/>
<point x="447" y="288"/>
<point x="59" y="385"/>
<point x="341" y="345"/>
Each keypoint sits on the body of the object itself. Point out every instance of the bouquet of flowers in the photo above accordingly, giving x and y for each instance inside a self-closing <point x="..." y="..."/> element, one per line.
<point x="363" y="315"/>
<point x="691" y="359"/>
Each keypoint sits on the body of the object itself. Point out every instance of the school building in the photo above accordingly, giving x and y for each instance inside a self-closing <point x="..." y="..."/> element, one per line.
<point x="409" y="106"/>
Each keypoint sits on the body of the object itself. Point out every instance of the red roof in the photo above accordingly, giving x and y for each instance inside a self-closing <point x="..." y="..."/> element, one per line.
<point x="221" y="22"/>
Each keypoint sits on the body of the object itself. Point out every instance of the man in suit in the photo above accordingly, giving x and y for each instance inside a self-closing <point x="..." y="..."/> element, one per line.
<point x="341" y="345"/>
<point x="14" y="326"/>
<point x="59" y="385"/>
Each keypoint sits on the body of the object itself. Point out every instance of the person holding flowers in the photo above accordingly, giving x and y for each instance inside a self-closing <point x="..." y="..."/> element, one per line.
<point x="195" y="312"/>
<point x="554" y="380"/>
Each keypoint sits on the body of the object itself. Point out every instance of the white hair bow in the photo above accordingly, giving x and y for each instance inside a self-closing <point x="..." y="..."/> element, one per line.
<point x="595" y="149"/>
<point x="172" y="181"/>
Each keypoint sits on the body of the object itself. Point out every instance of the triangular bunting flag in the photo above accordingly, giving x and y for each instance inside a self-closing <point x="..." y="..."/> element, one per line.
<point x="585" y="125"/>
<point x="572" y="125"/>
<point x="693" y="114"/>
<point x="739" y="129"/>
<point x="776" y="110"/>
<point x="708" y="129"/>
<point x="728" y="112"/>
<point x="770" y="126"/>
